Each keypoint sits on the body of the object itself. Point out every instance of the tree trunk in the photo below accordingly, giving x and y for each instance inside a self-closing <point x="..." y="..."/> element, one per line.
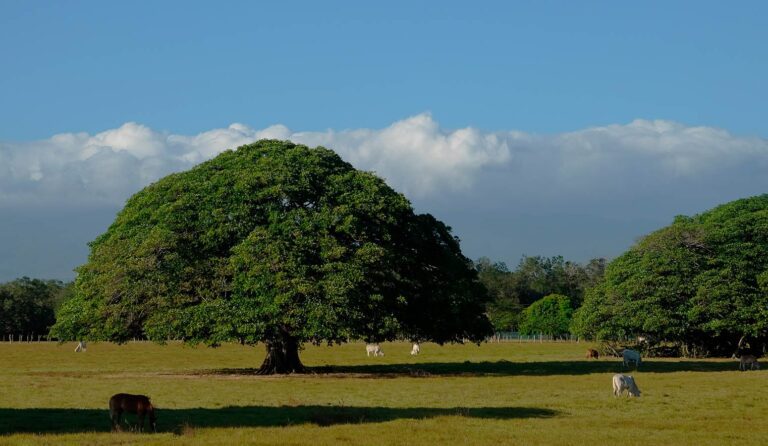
<point x="282" y="356"/>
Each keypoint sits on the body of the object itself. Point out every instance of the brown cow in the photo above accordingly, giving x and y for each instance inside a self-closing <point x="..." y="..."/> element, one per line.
<point x="592" y="353"/>
<point x="138" y="404"/>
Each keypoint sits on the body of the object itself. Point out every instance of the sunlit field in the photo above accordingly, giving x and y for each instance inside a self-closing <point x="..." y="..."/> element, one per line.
<point x="498" y="393"/>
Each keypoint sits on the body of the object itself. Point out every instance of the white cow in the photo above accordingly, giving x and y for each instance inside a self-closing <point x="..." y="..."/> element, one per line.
<point x="416" y="349"/>
<point x="81" y="347"/>
<point x="625" y="382"/>
<point x="630" y="355"/>
<point x="374" y="349"/>
<point x="748" y="362"/>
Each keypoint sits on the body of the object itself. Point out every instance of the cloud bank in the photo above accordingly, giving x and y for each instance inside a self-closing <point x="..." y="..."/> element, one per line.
<point x="415" y="155"/>
<point x="580" y="194"/>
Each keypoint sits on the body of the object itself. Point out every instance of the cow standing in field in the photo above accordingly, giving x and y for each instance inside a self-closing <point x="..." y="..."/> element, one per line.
<point x="122" y="403"/>
<point x="748" y="362"/>
<point x="625" y="382"/>
<point x="81" y="347"/>
<point x="592" y="353"/>
<point x="630" y="355"/>
<point x="373" y="349"/>
<point x="415" y="350"/>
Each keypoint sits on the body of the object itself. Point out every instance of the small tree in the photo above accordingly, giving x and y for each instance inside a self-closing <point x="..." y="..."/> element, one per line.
<point x="551" y="315"/>
<point x="279" y="244"/>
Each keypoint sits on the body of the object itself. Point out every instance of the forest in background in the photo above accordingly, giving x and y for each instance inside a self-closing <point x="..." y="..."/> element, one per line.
<point x="29" y="305"/>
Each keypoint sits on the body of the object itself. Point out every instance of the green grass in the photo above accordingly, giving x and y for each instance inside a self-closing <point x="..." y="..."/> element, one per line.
<point x="505" y="393"/>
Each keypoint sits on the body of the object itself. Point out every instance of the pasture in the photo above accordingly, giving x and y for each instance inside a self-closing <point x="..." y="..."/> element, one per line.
<point x="497" y="393"/>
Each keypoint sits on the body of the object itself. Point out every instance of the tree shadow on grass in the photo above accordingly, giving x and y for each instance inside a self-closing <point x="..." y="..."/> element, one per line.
<point x="177" y="420"/>
<point x="503" y="368"/>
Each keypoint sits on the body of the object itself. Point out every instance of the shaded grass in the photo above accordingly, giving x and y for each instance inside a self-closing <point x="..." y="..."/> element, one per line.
<point x="501" y="368"/>
<point x="51" y="420"/>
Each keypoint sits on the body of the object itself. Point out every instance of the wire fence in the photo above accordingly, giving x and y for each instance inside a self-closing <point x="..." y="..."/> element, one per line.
<point x="513" y="336"/>
<point x="31" y="337"/>
<point x="502" y="336"/>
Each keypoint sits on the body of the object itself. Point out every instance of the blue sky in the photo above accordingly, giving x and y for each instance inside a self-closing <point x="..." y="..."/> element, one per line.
<point x="536" y="66"/>
<point x="530" y="127"/>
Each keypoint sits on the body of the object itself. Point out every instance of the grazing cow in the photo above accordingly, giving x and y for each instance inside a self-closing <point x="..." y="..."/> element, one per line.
<point x="80" y="347"/>
<point x="138" y="404"/>
<point x="415" y="350"/>
<point x="630" y="355"/>
<point x="748" y="362"/>
<point x="625" y="382"/>
<point x="373" y="349"/>
<point x="592" y="353"/>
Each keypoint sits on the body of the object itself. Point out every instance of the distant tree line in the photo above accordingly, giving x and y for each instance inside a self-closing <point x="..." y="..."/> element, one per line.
<point x="540" y="295"/>
<point x="28" y="306"/>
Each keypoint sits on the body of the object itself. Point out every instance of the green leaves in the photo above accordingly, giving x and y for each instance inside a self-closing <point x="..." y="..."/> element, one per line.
<point x="698" y="282"/>
<point x="535" y="277"/>
<point x="550" y="315"/>
<point x="27" y="305"/>
<point x="275" y="238"/>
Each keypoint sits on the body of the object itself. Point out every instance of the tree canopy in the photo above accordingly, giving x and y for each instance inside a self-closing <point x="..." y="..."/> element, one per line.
<point x="27" y="305"/>
<point x="551" y="315"/>
<point x="534" y="278"/>
<point x="701" y="282"/>
<point x="275" y="243"/>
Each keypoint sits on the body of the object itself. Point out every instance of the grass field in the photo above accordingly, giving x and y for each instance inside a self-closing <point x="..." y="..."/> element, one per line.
<point x="501" y="393"/>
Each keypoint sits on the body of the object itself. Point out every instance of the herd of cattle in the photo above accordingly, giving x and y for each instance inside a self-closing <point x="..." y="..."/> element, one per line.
<point x="621" y="382"/>
<point x="627" y="383"/>
<point x="375" y="349"/>
<point x="141" y="406"/>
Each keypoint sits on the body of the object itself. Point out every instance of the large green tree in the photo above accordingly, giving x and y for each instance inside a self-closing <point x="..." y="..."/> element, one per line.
<point x="280" y="244"/>
<point x="701" y="282"/>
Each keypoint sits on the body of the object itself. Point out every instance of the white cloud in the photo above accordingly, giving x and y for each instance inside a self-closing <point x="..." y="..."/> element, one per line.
<point x="415" y="155"/>
<point x="676" y="149"/>
<point x="580" y="194"/>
